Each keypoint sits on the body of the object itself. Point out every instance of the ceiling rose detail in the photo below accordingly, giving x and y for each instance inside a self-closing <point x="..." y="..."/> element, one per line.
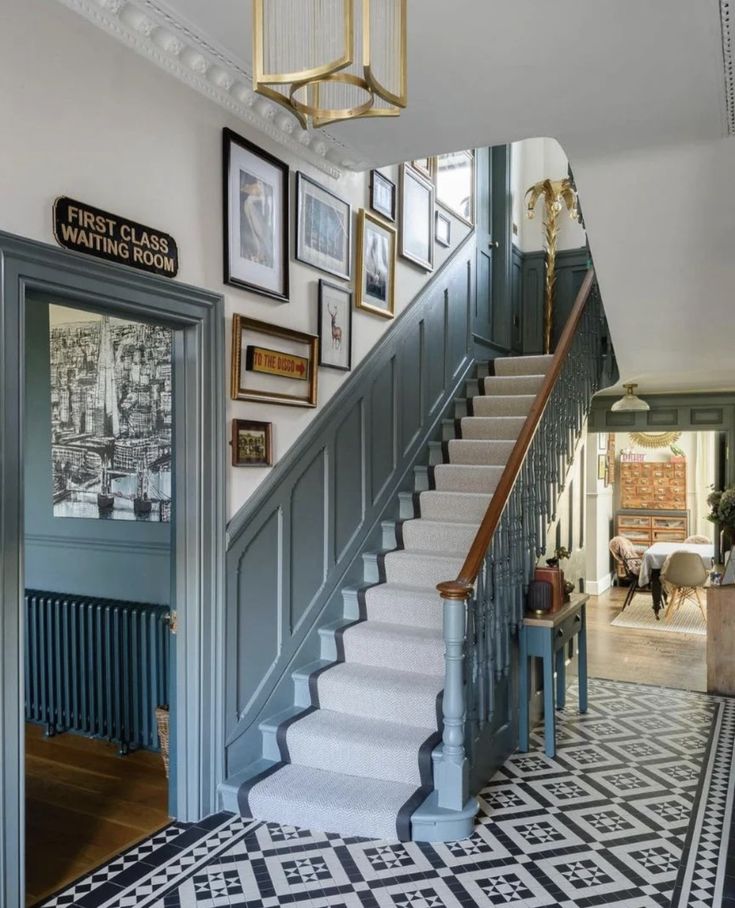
<point x="153" y="32"/>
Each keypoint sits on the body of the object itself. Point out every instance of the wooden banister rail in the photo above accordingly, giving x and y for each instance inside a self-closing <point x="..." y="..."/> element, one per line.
<point x="461" y="588"/>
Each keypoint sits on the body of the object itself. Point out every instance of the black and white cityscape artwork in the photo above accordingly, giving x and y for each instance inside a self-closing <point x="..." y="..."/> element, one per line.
<point x="111" y="413"/>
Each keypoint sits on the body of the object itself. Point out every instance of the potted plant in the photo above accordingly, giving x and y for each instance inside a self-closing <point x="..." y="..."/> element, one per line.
<point x="561" y="554"/>
<point x="722" y="512"/>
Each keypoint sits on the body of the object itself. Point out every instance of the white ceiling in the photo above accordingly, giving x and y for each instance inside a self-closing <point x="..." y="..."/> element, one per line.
<point x="635" y="92"/>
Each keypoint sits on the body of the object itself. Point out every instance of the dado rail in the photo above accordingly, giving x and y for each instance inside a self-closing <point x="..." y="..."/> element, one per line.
<point x="484" y="605"/>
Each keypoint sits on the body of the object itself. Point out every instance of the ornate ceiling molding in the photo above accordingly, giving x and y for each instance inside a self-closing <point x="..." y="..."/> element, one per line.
<point x="727" y="12"/>
<point x="153" y="32"/>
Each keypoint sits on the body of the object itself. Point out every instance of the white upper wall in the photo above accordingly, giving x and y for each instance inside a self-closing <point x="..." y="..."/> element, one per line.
<point x="91" y="120"/>
<point x="533" y="160"/>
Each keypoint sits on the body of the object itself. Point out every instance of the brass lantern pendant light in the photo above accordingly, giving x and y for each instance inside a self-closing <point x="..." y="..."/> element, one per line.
<point x="331" y="60"/>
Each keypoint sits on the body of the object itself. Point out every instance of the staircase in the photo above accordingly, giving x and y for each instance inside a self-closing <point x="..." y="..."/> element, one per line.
<point x="353" y="755"/>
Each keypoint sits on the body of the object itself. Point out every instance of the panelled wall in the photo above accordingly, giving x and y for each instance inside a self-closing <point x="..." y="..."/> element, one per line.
<point x="302" y="536"/>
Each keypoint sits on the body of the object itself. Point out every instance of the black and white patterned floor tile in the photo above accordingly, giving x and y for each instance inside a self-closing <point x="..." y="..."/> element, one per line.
<point x="634" y="811"/>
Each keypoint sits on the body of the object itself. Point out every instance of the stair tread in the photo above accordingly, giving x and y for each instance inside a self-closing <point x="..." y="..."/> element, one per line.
<point x="344" y="728"/>
<point x="331" y="801"/>
<point x="383" y="678"/>
<point x="385" y="629"/>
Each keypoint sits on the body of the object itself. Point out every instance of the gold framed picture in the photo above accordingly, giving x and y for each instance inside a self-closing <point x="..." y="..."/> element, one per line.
<point x="376" y="265"/>
<point x="252" y="443"/>
<point x="427" y="166"/>
<point x="272" y="364"/>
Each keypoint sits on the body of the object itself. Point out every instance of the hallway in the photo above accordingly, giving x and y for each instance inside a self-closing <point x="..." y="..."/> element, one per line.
<point x="632" y="812"/>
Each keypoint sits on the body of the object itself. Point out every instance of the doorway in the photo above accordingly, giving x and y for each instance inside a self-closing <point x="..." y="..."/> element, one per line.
<point x="649" y="489"/>
<point x="98" y="574"/>
<point x="29" y="271"/>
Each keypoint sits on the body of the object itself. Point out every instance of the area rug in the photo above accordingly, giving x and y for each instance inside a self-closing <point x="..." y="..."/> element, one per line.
<point x="639" y="614"/>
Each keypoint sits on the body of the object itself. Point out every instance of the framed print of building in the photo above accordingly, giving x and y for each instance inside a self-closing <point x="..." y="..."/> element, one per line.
<point x="111" y="413"/>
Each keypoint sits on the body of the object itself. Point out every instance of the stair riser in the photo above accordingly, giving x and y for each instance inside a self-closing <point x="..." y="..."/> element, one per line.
<point x="426" y="658"/>
<point x="458" y="478"/>
<point x="417" y="571"/>
<point x="444" y="538"/>
<point x="449" y="429"/>
<point x="513" y="384"/>
<point x="375" y="761"/>
<point x="389" y="536"/>
<point x="446" y="506"/>
<point x="461" y="407"/>
<point x="517" y="405"/>
<point x="421" y="479"/>
<point x="484" y="428"/>
<point x="481" y="453"/>
<point x="406" y="506"/>
<point x="522" y="365"/>
<point x="408" y="613"/>
<point x="386" y="706"/>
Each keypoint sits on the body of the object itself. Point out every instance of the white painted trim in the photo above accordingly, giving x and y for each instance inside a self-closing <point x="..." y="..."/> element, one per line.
<point x="597" y="587"/>
<point x="152" y="31"/>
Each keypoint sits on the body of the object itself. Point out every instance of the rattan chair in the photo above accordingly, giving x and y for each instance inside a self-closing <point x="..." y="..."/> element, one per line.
<point x="626" y="555"/>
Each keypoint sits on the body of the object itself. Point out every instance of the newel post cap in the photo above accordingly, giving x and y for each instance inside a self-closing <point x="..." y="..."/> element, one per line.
<point x="453" y="589"/>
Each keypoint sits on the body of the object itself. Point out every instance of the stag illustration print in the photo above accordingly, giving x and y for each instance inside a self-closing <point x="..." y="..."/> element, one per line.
<point x="336" y="330"/>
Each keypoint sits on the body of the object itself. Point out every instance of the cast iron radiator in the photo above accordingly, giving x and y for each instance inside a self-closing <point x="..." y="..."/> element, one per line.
<point x="96" y="666"/>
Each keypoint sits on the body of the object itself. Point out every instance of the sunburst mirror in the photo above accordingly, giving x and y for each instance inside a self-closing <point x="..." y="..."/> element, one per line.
<point x="655" y="439"/>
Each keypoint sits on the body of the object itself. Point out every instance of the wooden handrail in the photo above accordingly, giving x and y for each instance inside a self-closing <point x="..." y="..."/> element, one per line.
<point x="461" y="588"/>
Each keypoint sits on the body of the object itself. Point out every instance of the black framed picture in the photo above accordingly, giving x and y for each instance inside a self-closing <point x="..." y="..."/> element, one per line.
<point x="252" y="443"/>
<point x="382" y="195"/>
<point x="417" y="218"/>
<point x="335" y="326"/>
<point x="256" y="213"/>
<point x="323" y="228"/>
<point x="443" y="229"/>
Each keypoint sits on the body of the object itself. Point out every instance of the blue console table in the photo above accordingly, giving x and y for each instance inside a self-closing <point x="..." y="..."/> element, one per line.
<point x="547" y="636"/>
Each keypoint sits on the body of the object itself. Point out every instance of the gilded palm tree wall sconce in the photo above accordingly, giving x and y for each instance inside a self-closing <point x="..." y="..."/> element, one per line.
<point x="557" y="194"/>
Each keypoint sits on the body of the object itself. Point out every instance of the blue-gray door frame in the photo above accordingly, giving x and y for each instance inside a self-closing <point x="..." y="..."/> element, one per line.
<point x="198" y="522"/>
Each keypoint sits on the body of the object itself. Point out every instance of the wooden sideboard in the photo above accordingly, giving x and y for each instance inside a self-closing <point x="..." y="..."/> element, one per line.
<point x="646" y="527"/>
<point x="721" y="640"/>
<point x="651" y="485"/>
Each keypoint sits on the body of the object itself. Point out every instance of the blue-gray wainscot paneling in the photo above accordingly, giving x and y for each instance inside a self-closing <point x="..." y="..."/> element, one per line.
<point x="299" y="540"/>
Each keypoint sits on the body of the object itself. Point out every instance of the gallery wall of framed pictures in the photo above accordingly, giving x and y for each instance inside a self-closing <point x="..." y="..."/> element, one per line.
<point x="354" y="234"/>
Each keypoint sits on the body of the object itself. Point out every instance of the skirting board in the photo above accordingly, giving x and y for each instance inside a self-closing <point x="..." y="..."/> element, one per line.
<point x="597" y="587"/>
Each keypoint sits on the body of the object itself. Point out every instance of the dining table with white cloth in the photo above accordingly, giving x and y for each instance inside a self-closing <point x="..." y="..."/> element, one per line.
<point x="655" y="556"/>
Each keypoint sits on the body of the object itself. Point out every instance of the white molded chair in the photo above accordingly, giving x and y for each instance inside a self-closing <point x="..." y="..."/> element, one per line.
<point x="683" y="575"/>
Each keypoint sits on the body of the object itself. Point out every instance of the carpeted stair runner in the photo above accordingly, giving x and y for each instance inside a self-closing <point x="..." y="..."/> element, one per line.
<point x="353" y="756"/>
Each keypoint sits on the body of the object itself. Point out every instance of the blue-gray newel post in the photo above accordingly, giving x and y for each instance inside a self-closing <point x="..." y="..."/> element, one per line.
<point x="451" y="773"/>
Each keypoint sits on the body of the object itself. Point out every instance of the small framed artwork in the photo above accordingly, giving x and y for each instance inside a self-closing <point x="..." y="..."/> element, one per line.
<point x="273" y="364"/>
<point x="376" y="265"/>
<point x="455" y="184"/>
<point x="426" y="166"/>
<point x="417" y="218"/>
<point x="255" y="218"/>
<point x="383" y="195"/>
<point x="602" y="466"/>
<point x="323" y="228"/>
<point x="252" y="443"/>
<point x="442" y="229"/>
<point x="335" y="326"/>
<point x="602" y="441"/>
<point x="610" y="458"/>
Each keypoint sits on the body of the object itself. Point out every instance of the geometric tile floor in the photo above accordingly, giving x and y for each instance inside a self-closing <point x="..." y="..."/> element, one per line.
<point x="634" y="811"/>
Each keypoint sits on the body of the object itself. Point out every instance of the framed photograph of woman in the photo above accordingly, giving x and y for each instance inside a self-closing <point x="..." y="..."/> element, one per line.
<point x="335" y="326"/>
<point x="256" y="213"/>
<point x="323" y="228"/>
<point x="376" y="265"/>
<point x="417" y="218"/>
<point x="383" y="195"/>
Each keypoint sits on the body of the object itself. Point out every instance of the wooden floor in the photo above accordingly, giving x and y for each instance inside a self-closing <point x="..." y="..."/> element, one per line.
<point x="84" y="805"/>
<point x="647" y="657"/>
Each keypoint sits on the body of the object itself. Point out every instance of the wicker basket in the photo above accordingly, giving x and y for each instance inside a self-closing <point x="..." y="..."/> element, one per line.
<point x="162" y="715"/>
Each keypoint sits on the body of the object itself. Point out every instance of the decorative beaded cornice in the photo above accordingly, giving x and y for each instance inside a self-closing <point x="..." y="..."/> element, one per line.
<point x="726" y="17"/>
<point x="155" y="33"/>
